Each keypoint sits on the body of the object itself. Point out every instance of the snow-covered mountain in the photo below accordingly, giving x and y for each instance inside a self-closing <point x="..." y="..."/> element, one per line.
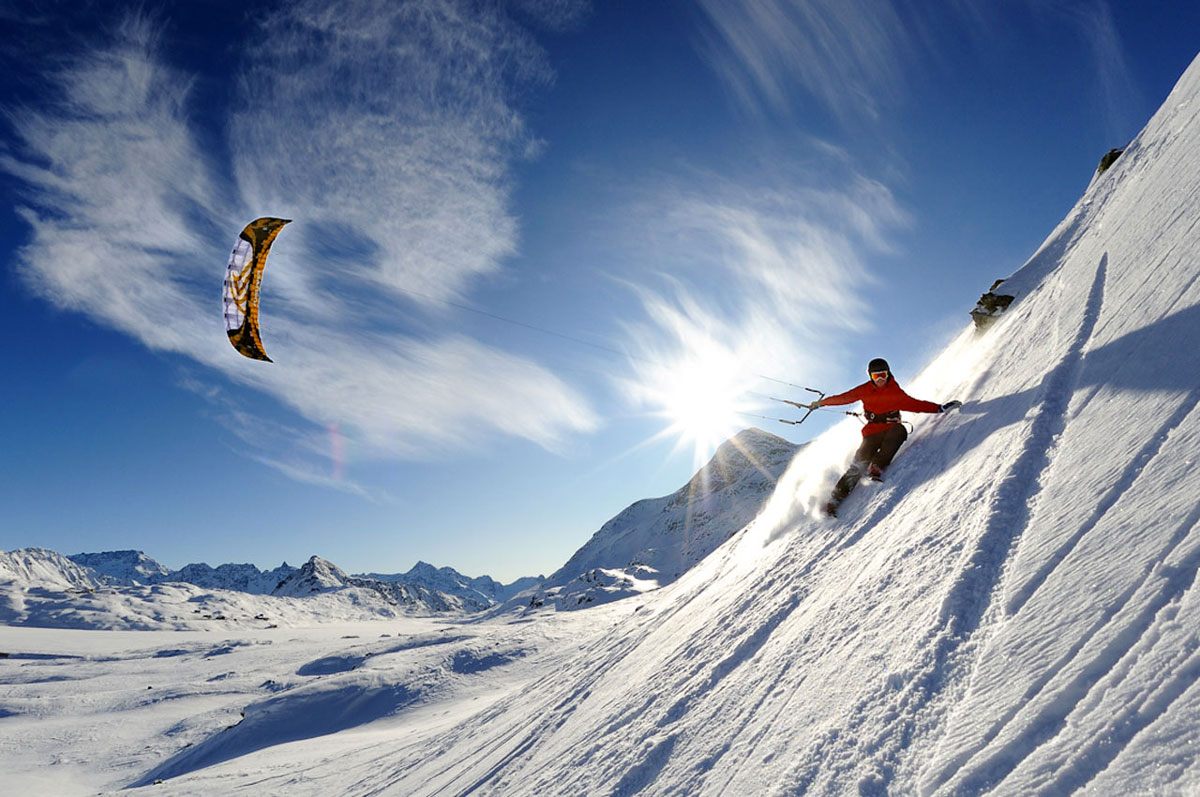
<point x="654" y="541"/>
<point x="37" y="584"/>
<point x="449" y="581"/>
<point x="135" y="567"/>
<point x="644" y="547"/>
<point x="123" y="567"/>
<point x="648" y="545"/>
<point x="38" y="566"/>
<point x="318" y="575"/>
<point x="241" y="577"/>
<point x="43" y="588"/>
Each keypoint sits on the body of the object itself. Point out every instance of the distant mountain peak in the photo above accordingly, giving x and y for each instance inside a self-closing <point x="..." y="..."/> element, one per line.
<point x="40" y="567"/>
<point x="127" y="566"/>
<point x="315" y="575"/>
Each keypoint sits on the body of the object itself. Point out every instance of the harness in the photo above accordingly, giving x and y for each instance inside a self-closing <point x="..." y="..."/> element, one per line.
<point x="882" y="417"/>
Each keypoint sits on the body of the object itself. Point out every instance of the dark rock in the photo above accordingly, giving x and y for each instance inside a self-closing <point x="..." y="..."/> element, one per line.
<point x="990" y="306"/>
<point x="1109" y="159"/>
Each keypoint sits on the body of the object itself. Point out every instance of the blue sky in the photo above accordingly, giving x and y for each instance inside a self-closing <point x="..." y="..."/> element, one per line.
<point x="528" y="237"/>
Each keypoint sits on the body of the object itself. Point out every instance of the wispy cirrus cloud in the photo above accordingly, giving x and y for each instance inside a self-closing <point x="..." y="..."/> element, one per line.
<point x="854" y="57"/>
<point x="794" y="250"/>
<point x="769" y="272"/>
<point x="108" y="169"/>
<point x="753" y="282"/>
<point x="392" y="124"/>
<point x="793" y="257"/>
<point x="387" y="132"/>
<point x="844" y="53"/>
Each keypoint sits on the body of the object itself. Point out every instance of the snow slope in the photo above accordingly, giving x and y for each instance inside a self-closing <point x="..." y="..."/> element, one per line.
<point x="1013" y="612"/>
<point x="45" y="569"/>
<point x="86" y="712"/>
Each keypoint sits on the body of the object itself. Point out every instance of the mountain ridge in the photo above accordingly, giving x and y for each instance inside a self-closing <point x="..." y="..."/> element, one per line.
<point x="130" y="567"/>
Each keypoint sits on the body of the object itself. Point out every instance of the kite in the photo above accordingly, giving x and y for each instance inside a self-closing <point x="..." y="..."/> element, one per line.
<point x="242" y="280"/>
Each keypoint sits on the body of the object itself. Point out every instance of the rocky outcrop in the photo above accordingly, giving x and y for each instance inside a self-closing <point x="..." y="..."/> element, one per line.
<point x="1109" y="159"/>
<point x="990" y="306"/>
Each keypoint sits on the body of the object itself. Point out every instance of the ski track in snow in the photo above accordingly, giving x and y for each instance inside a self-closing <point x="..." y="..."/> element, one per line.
<point x="318" y="708"/>
<point x="1122" y="485"/>
<point x="1147" y="599"/>
<point x="1096" y="755"/>
<point x="969" y="597"/>
<point x="698" y="681"/>
<point x="507" y="749"/>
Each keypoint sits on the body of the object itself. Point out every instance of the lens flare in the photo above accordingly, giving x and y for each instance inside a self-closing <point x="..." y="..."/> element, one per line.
<point x="700" y="396"/>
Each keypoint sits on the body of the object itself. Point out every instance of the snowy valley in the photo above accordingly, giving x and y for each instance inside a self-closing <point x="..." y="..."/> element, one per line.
<point x="1014" y="611"/>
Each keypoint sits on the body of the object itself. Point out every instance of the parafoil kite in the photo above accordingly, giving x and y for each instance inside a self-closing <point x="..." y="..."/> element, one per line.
<point x="242" y="280"/>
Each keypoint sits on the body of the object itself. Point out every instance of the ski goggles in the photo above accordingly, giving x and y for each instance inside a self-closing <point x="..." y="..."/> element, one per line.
<point x="878" y="374"/>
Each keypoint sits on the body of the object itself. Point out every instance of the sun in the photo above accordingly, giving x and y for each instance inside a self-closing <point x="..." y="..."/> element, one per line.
<point x="701" y="397"/>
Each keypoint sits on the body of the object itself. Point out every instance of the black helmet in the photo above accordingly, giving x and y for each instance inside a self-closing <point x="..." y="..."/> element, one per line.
<point x="878" y="364"/>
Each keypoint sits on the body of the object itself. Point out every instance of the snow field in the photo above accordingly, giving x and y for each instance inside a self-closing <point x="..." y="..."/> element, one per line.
<point x="90" y="711"/>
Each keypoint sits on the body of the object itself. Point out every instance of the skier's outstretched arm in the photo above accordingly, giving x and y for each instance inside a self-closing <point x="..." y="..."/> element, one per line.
<point x="838" y="399"/>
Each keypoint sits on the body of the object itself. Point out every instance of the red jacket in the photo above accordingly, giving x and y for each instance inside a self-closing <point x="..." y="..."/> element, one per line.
<point x="881" y="401"/>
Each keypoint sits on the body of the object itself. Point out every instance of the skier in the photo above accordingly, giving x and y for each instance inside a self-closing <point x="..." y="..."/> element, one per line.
<point x="882" y="400"/>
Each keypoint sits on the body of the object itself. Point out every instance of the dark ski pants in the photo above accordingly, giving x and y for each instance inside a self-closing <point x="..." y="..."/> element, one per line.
<point x="877" y="449"/>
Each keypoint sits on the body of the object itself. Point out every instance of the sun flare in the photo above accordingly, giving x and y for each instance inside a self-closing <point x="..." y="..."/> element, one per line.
<point x="701" y="397"/>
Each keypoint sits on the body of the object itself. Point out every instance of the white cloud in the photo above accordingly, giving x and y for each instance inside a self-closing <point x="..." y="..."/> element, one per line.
<point x="844" y="53"/>
<point x="556" y="15"/>
<point x="405" y="162"/>
<point x="393" y="122"/>
<point x="414" y="399"/>
<point x="769" y="278"/>
<point x="110" y="166"/>
<point x="855" y="57"/>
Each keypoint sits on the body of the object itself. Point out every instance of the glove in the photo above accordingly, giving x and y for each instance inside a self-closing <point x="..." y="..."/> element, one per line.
<point x="950" y="405"/>
<point x="814" y="405"/>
